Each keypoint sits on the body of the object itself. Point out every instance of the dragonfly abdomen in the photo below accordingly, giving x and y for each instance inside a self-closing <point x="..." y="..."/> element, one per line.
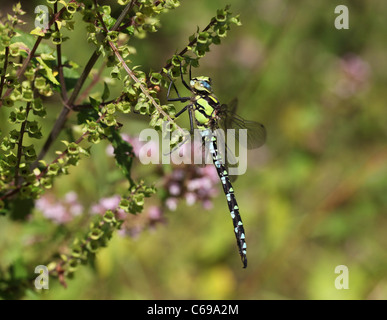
<point x="210" y="140"/>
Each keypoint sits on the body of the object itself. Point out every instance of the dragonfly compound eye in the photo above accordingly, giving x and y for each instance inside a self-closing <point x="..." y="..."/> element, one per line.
<point x="206" y="85"/>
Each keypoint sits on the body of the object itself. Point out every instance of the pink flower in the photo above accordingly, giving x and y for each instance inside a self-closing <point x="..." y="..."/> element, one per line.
<point x="207" y="204"/>
<point x="210" y="172"/>
<point x="195" y="184"/>
<point x="174" y="189"/>
<point x="60" y="211"/>
<point x="190" y="198"/>
<point x="171" y="203"/>
<point x="110" y="203"/>
<point x="354" y="74"/>
<point x="155" y="213"/>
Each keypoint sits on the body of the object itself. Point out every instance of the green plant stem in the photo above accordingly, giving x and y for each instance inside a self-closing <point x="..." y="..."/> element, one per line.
<point x="167" y="66"/>
<point x="61" y="120"/>
<point x="96" y="79"/>
<point x="59" y="60"/>
<point x="2" y="81"/>
<point x="135" y="79"/>
<point x="123" y="14"/>
<point x="20" y="144"/>
<point x="143" y="89"/>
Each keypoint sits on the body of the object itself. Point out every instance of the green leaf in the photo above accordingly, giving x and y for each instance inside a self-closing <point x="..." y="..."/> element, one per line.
<point x="29" y="40"/>
<point x="49" y="73"/>
<point x="123" y="153"/>
<point x="48" y="56"/>
<point x="106" y="92"/>
<point x="129" y="30"/>
<point x="19" y="269"/>
<point x="71" y="77"/>
<point x="116" y="73"/>
<point x="37" y="32"/>
<point x="63" y="2"/>
<point x="4" y="208"/>
<point x="95" y="234"/>
<point x="87" y="114"/>
<point x="21" y="208"/>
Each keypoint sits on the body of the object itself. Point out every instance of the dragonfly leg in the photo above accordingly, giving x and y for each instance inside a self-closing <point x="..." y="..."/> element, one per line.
<point x="181" y="99"/>
<point x="169" y="89"/>
<point x="182" y="110"/>
<point x="182" y="78"/>
<point x="191" y="116"/>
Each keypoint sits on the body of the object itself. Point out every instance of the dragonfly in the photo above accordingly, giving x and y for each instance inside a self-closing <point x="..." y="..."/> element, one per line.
<point x="209" y="114"/>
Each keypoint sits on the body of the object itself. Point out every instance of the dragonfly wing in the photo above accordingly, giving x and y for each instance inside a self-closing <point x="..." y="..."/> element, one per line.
<point x="228" y="157"/>
<point x="256" y="132"/>
<point x="226" y="113"/>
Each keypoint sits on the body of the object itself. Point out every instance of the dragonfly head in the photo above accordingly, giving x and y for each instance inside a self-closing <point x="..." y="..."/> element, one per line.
<point x="201" y="84"/>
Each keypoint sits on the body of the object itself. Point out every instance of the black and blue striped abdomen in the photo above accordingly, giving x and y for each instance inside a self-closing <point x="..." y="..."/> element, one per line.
<point x="210" y="141"/>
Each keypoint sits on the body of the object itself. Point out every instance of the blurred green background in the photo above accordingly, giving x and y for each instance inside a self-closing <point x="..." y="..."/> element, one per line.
<point x="313" y="198"/>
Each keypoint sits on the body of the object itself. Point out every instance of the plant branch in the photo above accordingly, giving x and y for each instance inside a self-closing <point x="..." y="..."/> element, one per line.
<point x="2" y="81"/>
<point x="93" y="83"/>
<point x="62" y="82"/>
<point x="124" y="26"/>
<point x="64" y="153"/>
<point x="135" y="79"/>
<point x="143" y="89"/>
<point x="20" y="144"/>
<point x="60" y="121"/>
<point x="123" y="14"/>
<point x="167" y="66"/>
<point x="79" y="107"/>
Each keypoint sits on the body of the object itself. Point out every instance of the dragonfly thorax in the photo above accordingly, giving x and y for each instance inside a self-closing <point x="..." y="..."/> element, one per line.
<point x="201" y="84"/>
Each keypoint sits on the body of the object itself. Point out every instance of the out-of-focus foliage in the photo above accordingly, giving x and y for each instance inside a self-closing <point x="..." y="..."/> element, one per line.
<point x="314" y="195"/>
